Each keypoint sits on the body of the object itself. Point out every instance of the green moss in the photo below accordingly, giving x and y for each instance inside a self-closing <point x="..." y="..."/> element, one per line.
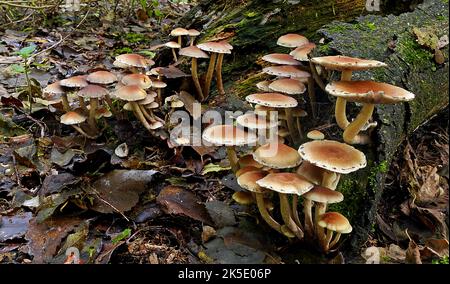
<point x="354" y="194"/>
<point x="123" y="50"/>
<point x="324" y="49"/>
<point x="134" y="38"/>
<point x="412" y="53"/>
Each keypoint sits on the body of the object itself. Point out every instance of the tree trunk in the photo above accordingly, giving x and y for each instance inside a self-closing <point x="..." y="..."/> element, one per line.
<point x="252" y="27"/>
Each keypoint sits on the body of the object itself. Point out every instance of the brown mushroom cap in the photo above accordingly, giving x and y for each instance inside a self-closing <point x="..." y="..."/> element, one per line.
<point x="324" y="195"/>
<point x="130" y="93"/>
<point x="272" y="100"/>
<point x="292" y="40"/>
<point x="369" y="92"/>
<point x="248" y="180"/>
<point x="228" y="135"/>
<point x="148" y="100"/>
<point x="213" y="46"/>
<point x="172" y="44"/>
<point x="301" y="52"/>
<point x="140" y="80"/>
<point x="92" y="91"/>
<point x="74" y="82"/>
<point x="339" y="62"/>
<point x="288" y="86"/>
<point x="262" y="110"/>
<point x="280" y="58"/>
<point x="247" y="161"/>
<point x="72" y="117"/>
<point x="286" y="71"/>
<point x="277" y="156"/>
<point x="243" y="197"/>
<point x="333" y="156"/>
<point x="193" y="51"/>
<point x="179" y="32"/>
<point x="310" y="172"/>
<point x="158" y="84"/>
<point x="335" y="221"/>
<point x="289" y="183"/>
<point x="193" y="32"/>
<point x="254" y="121"/>
<point x="134" y="60"/>
<point x="153" y="105"/>
<point x="315" y="135"/>
<point x="264" y="85"/>
<point x="54" y="89"/>
<point x="101" y="77"/>
<point x="102" y="112"/>
<point x="247" y="169"/>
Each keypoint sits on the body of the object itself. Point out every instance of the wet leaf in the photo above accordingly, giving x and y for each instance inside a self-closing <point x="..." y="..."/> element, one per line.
<point x="178" y="201"/>
<point x="14" y="227"/>
<point x="50" y="203"/>
<point x="61" y="159"/>
<point x="212" y="168"/>
<point x="119" y="190"/>
<point x="55" y="183"/>
<point x="221" y="214"/>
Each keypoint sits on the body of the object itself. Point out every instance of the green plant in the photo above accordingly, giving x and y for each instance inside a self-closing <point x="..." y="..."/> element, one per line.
<point x="442" y="260"/>
<point x="151" y="8"/>
<point x="122" y="235"/>
<point x="24" y="68"/>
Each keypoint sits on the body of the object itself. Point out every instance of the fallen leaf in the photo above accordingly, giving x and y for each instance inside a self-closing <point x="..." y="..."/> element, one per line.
<point x="55" y="183"/>
<point x="211" y="168"/>
<point x="413" y="253"/>
<point x="221" y="214"/>
<point x="12" y="227"/>
<point x="208" y="233"/>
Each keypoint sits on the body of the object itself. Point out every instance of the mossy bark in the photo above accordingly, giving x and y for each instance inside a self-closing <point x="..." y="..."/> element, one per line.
<point x="252" y="27"/>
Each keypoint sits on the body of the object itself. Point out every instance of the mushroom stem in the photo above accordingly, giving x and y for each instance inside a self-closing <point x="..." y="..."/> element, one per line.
<point x="145" y="113"/>
<point x="313" y="70"/>
<point x="312" y="96"/>
<point x="82" y="132"/>
<point x="194" y="73"/>
<point x="140" y="116"/>
<point x="286" y="215"/>
<point x="232" y="157"/>
<point x="291" y="126"/>
<point x="299" y="127"/>
<point x="65" y="102"/>
<point x="319" y="210"/>
<point x="326" y="240"/>
<point x="111" y="106"/>
<point x="340" y="108"/>
<point x="174" y="55"/>
<point x="82" y="104"/>
<point x="209" y="73"/>
<point x="295" y="211"/>
<point x="219" y="74"/>
<point x="179" y="41"/>
<point x="192" y="38"/>
<point x="351" y="132"/>
<point x="335" y="241"/>
<point x="93" y="102"/>
<point x="330" y="179"/>
<point x="265" y="214"/>
<point x="309" y="226"/>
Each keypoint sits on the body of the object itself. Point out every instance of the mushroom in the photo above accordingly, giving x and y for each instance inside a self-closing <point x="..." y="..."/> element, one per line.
<point x="76" y="82"/>
<point x="93" y="93"/>
<point x="284" y="184"/>
<point x="103" y="78"/>
<point x="192" y="34"/>
<point x="248" y="161"/>
<point x="263" y="86"/>
<point x="133" y="61"/>
<point x="55" y="89"/>
<point x="173" y="45"/>
<point x="72" y="118"/>
<point x="301" y="53"/>
<point x="242" y="197"/>
<point x="347" y="65"/>
<point x="195" y="52"/>
<point x="334" y="157"/>
<point x="280" y="58"/>
<point x="158" y="85"/>
<point x="292" y="40"/>
<point x="141" y="80"/>
<point x="278" y="101"/>
<point x="248" y="181"/>
<point x="277" y="156"/>
<point x="333" y="222"/>
<point x="312" y="173"/>
<point x="255" y="122"/>
<point x="315" y="135"/>
<point x="229" y="136"/>
<point x="179" y="32"/>
<point x="246" y="169"/>
<point x="321" y="196"/>
<point x="368" y="93"/>
<point x="217" y="49"/>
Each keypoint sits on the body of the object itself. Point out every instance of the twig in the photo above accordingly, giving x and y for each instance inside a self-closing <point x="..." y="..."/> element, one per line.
<point x="41" y="125"/>
<point x="16" y="171"/>
<point x="12" y="4"/>
<point x="109" y="204"/>
<point x="19" y="21"/>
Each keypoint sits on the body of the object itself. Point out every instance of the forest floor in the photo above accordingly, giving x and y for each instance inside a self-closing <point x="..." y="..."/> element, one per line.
<point x="54" y="184"/>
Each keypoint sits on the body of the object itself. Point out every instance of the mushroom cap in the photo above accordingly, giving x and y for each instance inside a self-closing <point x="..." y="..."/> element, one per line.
<point x="333" y="156"/>
<point x="254" y="121"/>
<point x="298" y="112"/>
<point x="92" y="91"/>
<point x="179" y="32"/>
<point x="152" y="105"/>
<point x="228" y="135"/>
<point x="280" y="58"/>
<point x="277" y="156"/>
<point x="226" y="44"/>
<point x="134" y="60"/>
<point x="369" y="92"/>
<point x="324" y="195"/>
<point x="193" y="51"/>
<point x="101" y="77"/>
<point x="312" y="173"/>
<point x="148" y="100"/>
<point x="246" y="169"/>
<point x="215" y="46"/>
<point x="193" y="32"/>
<point x="272" y="100"/>
<point x="288" y="86"/>
<point x="262" y="110"/>
<point x="54" y="89"/>
<point x="72" y="117"/>
<point x="301" y="52"/>
<point x="248" y="181"/>
<point x="315" y="135"/>
<point x="247" y="161"/>
<point x="156" y="124"/>
<point x="292" y="40"/>
<point x="263" y="85"/>
<point x="128" y="107"/>
<point x="130" y="93"/>
<point x="335" y="221"/>
<point x="286" y="71"/>
<point x="174" y="101"/>
<point x="172" y="44"/>
<point x="158" y="84"/>
<point x="243" y="197"/>
<point x="288" y="183"/>
<point x="283" y="132"/>
<point x="170" y="72"/>
<point x="102" y="112"/>
<point x="140" y="80"/>
<point x="340" y="62"/>
<point x="74" y="82"/>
